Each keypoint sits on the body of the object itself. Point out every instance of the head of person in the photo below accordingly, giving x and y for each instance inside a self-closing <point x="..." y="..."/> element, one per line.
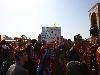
<point x="50" y="45"/>
<point x="78" y="40"/>
<point x="34" y="41"/>
<point x="11" y="55"/>
<point x="21" y="56"/>
<point x="20" y="42"/>
<point x="3" y="42"/>
<point x="75" y="68"/>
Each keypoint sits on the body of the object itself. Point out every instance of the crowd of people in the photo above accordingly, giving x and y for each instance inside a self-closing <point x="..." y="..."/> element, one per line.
<point x="34" y="57"/>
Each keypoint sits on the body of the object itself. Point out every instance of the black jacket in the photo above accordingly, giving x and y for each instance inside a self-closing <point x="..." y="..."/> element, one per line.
<point x="73" y="55"/>
<point x="5" y="66"/>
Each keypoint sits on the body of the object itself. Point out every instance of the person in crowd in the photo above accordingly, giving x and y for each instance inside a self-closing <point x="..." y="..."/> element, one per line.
<point x="65" y="61"/>
<point x="47" y="65"/>
<point x="61" y="65"/>
<point x="17" y="68"/>
<point x="20" y="44"/>
<point x="93" y="61"/>
<point x="6" y="64"/>
<point x="4" y="49"/>
<point x="1" y="55"/>
<point x="32" y="51"/>
<point x="76" y="68"/>
<point x="73" y="54"/>
<point x="4" y="46"/>
<point x="98" y="60"/>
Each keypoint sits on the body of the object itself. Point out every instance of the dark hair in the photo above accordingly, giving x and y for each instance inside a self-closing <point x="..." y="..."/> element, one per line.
<point x="3" y="42"/>
<point x="11" y="53"/>
<point x="34" y="41"/>
<point x="7" y="43"/>
<point x="75" y="68"/>
<point x="19" y="53"/>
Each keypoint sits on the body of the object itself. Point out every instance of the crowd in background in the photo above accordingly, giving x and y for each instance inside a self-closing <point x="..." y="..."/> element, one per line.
<point x="44" y="57"/>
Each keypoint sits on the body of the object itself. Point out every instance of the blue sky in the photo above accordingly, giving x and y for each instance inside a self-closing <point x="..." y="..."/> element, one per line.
<point x="27" y="17"/>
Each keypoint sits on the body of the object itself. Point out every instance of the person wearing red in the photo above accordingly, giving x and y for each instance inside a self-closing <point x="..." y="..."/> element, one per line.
<point x="19" y="45"/>
<point x="50" y="61"/>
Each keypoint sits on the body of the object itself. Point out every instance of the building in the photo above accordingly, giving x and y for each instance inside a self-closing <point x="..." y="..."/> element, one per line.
<point x="94" y="16"/>
<point x="5" y="37"/>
